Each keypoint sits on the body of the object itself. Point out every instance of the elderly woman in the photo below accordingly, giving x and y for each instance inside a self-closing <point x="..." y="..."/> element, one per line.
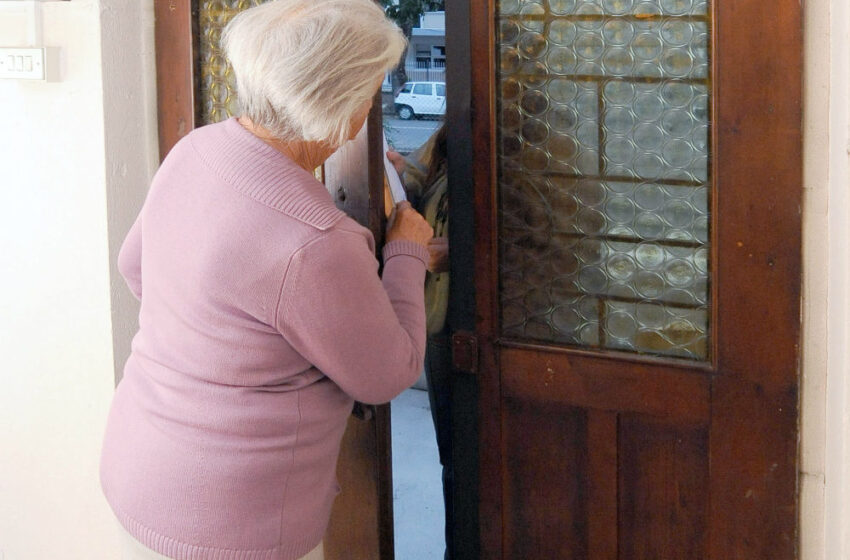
<point x="262" y="315"/>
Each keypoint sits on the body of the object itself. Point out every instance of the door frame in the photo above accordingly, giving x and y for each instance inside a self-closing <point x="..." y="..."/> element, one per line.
<point x="756" y="135"/>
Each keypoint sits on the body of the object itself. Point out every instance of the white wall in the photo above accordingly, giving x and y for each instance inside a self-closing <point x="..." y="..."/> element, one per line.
<point x="60" y="165"/>
<point x="825" y="421"/>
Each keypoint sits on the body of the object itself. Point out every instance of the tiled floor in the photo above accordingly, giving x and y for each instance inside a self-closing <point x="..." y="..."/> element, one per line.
<point x="417" y="490"/>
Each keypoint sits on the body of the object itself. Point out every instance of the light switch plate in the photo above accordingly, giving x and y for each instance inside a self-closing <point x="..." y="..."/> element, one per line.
<point x="30" y="63"/>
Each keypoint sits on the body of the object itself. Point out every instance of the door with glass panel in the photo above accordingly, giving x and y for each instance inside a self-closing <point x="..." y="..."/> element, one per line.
<point x="637" y="235"/>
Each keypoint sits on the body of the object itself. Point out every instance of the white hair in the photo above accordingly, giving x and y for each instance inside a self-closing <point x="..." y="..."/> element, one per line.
<point x="304" y="67"/>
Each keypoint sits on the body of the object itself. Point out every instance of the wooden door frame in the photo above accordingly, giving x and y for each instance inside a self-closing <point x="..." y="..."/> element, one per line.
<point x="757" y="135"/>
<point x="177" y="45"/>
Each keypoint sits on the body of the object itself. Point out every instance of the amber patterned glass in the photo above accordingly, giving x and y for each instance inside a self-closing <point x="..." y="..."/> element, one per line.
<point x="603" y="171"/>
<point x="218" y="85"/>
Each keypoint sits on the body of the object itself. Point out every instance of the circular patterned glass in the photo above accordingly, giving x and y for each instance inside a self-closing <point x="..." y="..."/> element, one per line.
<point x="562" y="118"/>
<point x="511" y="146"/>
<point x="511" y="117"/>
<point x="649" y="196"/>
<point x="591" y="23"/>
<point x="649" y="226"/>
<point x="621" y="325"/>
<point x="508" y="6"/>
<point x="562" y="148"/>
<point x="562" y="32"/>
<point x="648" y="107"/>
<point x="589" y="46"/>
<point x="649" y="166"/>
<point x="677" y="123"/>
<point x="619" y="150"/>
<point x="679" y="272"/>
<point x="677" y="62"/>
<point x="648" y="136"/>
<point x="562" y="7"/>
<point x="567" y="320"/>
<point x="617" y="61"/>
<point x="678" y="153"/>
<point x="649" y="255"/>
<point x="646" y="9"/>
<point x="561" y="90"/>
<point x="589" y="192"/>
<point x="534" y="74"/>
<point x="590" y="222"/>
<point x="649" y="285"/>
<point x="678" y="213"/>
<point x="534" y="102"/>
<point x="617" y="7"/>
<point x="531" y="44"/>
<point x="510" y="89"/>
<point x="532" y="17"/>
<point x="619" y="93"/>
<point x="676" y="7"/>
<point x="561" y="60"/>
<point x="647" y="46"/>
<point x="619" y="120"/>
<point x="676" y="33"/>
<point x="677" y="94"/>
<point x="620" y="209"/>
<point x="621" y="267"/>
<point x="534" y="131"/>
<point x="508" y="31"/>
<point x="509" y="60"/>
<point x="618" y="32"/>
<point x="593" y="279"/>
<point x="534" y="160"/>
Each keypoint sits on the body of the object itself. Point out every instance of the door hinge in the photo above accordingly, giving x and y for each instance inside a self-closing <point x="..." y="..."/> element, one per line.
<point x="465" y="352"/>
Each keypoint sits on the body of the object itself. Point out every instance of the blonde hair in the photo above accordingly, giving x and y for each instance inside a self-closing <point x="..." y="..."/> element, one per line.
<point x="304" y="67"/>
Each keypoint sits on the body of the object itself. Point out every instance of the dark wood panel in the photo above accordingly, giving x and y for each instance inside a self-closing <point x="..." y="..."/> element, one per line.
<point x="753" y="476"/>
<point x="606" y="384"/>
<point x="176" y="65"/>
<point x="546" y="471"/>
<point x="663" y="478"/>
<point x="602" y="485"/>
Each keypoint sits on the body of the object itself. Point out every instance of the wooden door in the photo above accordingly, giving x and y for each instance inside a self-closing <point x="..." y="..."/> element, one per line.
<point x="195" y="87"/>
<point x="637" y="187"/>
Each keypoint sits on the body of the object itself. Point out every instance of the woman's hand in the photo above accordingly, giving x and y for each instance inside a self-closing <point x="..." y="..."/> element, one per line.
<point x="397" y="160"/>
<point x="405" y="223"/>
<point x="439" y="249"/>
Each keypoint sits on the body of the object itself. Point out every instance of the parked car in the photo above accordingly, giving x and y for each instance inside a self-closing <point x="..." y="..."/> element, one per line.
<point x="417" y="99"/>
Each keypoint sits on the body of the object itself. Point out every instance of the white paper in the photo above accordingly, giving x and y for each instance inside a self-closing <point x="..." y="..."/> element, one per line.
<point x="396" y="188"/>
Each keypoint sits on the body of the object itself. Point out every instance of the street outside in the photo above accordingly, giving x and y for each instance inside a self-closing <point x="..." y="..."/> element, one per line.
<point x="405" y="136"/>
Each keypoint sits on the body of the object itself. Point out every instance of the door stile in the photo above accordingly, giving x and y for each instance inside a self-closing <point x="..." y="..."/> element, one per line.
<point x="753" y="511"/>
<point x="491" y="471"/>
<point x="177" y="69"/>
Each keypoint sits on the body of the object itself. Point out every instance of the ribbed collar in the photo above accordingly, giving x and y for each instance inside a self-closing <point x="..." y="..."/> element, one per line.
<point x="257" y="170"/>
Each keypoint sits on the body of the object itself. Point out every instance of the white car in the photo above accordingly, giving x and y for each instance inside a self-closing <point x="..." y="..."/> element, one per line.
<point x="416" y="99"/>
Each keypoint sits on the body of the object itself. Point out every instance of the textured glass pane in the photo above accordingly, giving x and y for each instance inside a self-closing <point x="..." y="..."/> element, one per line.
<point x="218" y="85"/>
<point x="604" y="177"/>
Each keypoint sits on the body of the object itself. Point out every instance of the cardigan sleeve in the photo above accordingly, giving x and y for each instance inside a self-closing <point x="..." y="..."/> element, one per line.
<point x="130" y="258"/>
<point x="365" y="333"/>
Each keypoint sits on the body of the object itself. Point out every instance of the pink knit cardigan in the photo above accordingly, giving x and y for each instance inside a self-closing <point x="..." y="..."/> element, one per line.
<point x="262" y="318"/>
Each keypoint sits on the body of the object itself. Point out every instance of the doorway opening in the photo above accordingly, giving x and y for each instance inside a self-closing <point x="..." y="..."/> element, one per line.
<point x="413" y="107"/>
